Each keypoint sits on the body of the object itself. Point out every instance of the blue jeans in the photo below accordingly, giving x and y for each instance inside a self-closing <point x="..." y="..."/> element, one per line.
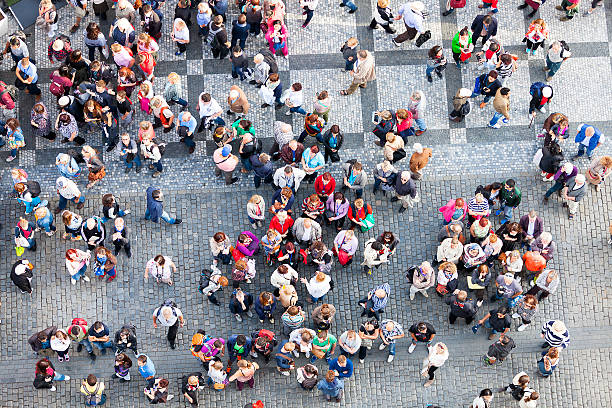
<point x="507" y="210"/>
<point x="392" y="348"/>
<point x="101" y="402"/>
<point x="246" y="163"/>
<point x="164" y="217"/>
<point x="100" y="345"/>
<point x="555" y="187"/>
<point x="46" y="223"/>
<point x="349" y="4"/>
<point x="552" y="66"/>
<point x="488" y="326"/>
<point x="278" y="46"/>
<point x="29" y="206"/>
<point x="486" y="98"/>
<point x="420" y="123"/>
<point x="63" y="201"/>
<point x="238" y="72"/>
<point x="298" y="109"/>
<point x="120" y="213"/>
<point x="496" y="117"/>
<point x="582" y="149"/>
<point x="315" y="300"/>
<point x="59" y="377"/>
<point x="87" y="344"/>
<point x="136" y="162"/>
<point x="429" y="70"/>
<point x="180" y="101"/>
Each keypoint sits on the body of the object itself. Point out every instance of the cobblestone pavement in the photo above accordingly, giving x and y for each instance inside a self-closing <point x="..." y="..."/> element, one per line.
<point x="465" y="155"/>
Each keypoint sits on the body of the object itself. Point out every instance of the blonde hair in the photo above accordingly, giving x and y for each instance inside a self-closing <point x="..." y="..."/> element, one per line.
<point x="89" y="150"/>
<point x="116" y="47"/>
<point x="255" y="197"/>
<point x="173" y="78"/>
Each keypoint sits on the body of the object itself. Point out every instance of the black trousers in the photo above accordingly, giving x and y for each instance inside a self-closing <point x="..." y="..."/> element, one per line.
<point x="452" y="318"/>
<point x="172" y="331"/>
<point x="431" y="372"/>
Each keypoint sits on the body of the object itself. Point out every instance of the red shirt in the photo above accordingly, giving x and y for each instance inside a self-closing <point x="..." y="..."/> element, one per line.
<point x="281" y="228"/>
<point x="324" y="189"/>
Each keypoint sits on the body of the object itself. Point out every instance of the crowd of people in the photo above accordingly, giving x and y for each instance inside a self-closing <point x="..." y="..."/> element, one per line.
<point x="508" y="265"/>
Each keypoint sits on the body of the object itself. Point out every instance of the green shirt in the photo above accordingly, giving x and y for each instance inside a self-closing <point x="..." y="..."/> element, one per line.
<point x="326" y="344"/>
<point x="240" y="131"/>
<point x="82" y="334"/>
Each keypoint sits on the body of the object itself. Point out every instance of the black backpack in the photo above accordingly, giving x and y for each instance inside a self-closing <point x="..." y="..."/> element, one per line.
<point x="270" y="60"/>
<point x="171" y="304"/>
<point x="161" y="144"/>
<point x="410" y="273"/>
<point x="33" y="188"/>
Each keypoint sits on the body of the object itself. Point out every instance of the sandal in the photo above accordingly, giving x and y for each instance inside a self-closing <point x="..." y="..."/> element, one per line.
<point x="343" y="93"/>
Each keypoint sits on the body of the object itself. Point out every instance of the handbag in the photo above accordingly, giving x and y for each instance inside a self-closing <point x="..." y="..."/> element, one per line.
<point x="473" y="286"/>
<point x="423" y="38"/>
<point x="318" y="353"/>
<point x="457" y="4"/>
<point x="513" y="301"/>
<point x="219" y="386"/>
<point x="267" y="95"/>
<point x="343" y="257"/>
<point x="369" y="223"/>
<point x="441" y="289"/>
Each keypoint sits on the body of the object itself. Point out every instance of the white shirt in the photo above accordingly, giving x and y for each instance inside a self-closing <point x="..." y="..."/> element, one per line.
<point x="160" y="316"/>
<point x="208" y="109"/>
<point x="435" y="359"/>
<point x="278" y="280"/>
<point x="411" y="19"/>
<point x="307" y="234"/>
<point x="69" y="190"/>
<point x="296" y="98"/>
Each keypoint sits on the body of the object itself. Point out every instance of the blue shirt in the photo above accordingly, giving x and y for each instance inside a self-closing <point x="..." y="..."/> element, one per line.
<point x="30" y="71"/>
<point x="190" y="124"/>
<point x="148" y="369"/>
<point x="343" y="372"/>
<point x="312" y="162"/>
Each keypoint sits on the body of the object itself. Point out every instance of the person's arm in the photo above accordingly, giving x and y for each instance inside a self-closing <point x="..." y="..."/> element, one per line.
<point x="484" y="319"/>
<point x="154" y="322"/>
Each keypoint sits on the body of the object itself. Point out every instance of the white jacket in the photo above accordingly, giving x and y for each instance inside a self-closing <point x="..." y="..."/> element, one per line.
<point x="279" y="280"/>
<point x="281" y="181"/>
<point x="450" y="254"/>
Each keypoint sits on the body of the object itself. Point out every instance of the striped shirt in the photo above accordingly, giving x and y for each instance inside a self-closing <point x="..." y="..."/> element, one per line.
<point x="553" y="339"/>
<point x="397" y="330"/>
<point x="505" y="71"/>
<point x="378" y="303"/>
<point x="475" y="206"/>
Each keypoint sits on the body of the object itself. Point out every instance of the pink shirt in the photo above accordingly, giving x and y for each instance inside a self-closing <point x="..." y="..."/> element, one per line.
<point x="224" y="163"/>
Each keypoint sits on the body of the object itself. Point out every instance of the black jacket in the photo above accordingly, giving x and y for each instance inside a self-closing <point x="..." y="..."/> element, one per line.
<point x="327" y="137"/>
<point x="550" y="163"/>
<point x="405" y="189"/>
<point x="499" y="350"/>
<point x="465" y="309"/>
<point x="262" y="170"/>
<point x="486" y="88"/>
<point x="35" y="343"/>
<point x="477" y="26"/>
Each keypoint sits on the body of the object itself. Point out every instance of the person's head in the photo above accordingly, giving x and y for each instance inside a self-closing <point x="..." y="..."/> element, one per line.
<point x="493" y="75"/>
<point x="274" y="77"/>
<point x="236" y="50"/>
<point x="116" y="48"/>
<point x="448" y="268"/>
<point x="386" y="115"/>
<point x="330" y="376"/>
<point x="307" y="223"/>
<point x="289" y="346"/>
<point x="483" y="270"/>
<point x="296" y="87"/>
<point x="553" y="353"/>
<point x="534" y="396"/>
<point x="530" y="301"/>
<point x="515" y="255"/>
<point x="454" y="242"/>
<point x="405" y="177"/>
<point x="286" y="192"/>
<point x="12" y="123"/>
<point x="464" y="34"/>
<point x="418" y="148"/>
<point x="502" y="311"/>
<point x="218" y="365"/>
<point x="160" y="260"/>
<point x="142" y="360"/>
<point x="389" y="326"/>
<point x="242" y="19"/>
<point x="342" y="360"/>
<point x="546" y="238"/>
<point x="401" y="114"/>
<point x="91" y="380"/>
<point x="606" y="161"/>
<point x="362" y="55"/>
<point x="505" y="91"/>
<point x="435" y="51"/>
<point x="320" y="276"/>
<point x="514" y="228"/>
<point x="359" y="203"/>
<point x="357" y="168"/>
<point x="506" y="59"/>
<point x="558" y="328"/>
<point x="266" y="298"/>
<point x="314" y="150"/>
<point x="42" y="365"/>
<point x="353" y="42"/>
<point x="293" y="310"/>
<point x="580" y="179"/>
<point x="462" y="295"/>
<point x="312" y="118"/>
<point x="339" y="197"/>
<point x="486" y="394"/>
<point x="306" y="336"/>
<point x="459" y="203"/>
<point x="218" y="20"/>
<point x="483" y="222"/>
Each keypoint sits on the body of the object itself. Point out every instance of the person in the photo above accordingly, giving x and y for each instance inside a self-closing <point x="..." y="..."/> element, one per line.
<point x="462" y="46"/>
<point x="526" y="308"/>
<point x="478" y="207"/>
<point x="536" y="34"/>
<point x="480" y="230"/>
<point x="277" y="37"/>
<point x="41" y="340"/>
<point x="545" y="284"/>
<point x="192" y="383"/>
<point x="599" y="169"/>
<point x="172" y="93"/>
<point x="332" y="141"/>
<point x="146" y="368"/>
<point x="186" y="128"/>
<point x="291" y="153"/>
<point x="532" y="226"/>
<point x="501" y="103"/>
<point x="548" y="362"/>
<point x="405" y="191"/>
<point x="240" y="303"/>
<point x="308" y="7"/>
<point x="27" y="77"/>
<point x="336" y="210"/>
<point x="497" y="320"/>
<point x="161" y="268"/>
<point x="312" y="162"/>
<point x="413" y="16"/>
<point x="354" y="178"/>
<point x="239" y="347"/>
<point x="461" y="307"/>
<point x="169" y="315"/>
<point x="306" y="231"/>
<point x="225" y="164"/>
<point x="421" y="278"/>
<point x="155" y="207"/>
<point x="345" y="246"/>
<point x="342" y="366"/>
<point x="180" y="35"/>
<point x="519" y="386"/>
<point x="438" y="354"/>
<point x="390" y="332"/>
<point x="472" y="257"/>
<point x="317" y="286"/>
<point x="282" y="200"/>
<point x="499" y="350"/>
<point x="421" y="332"/>
<point x="375" y="302"/>
<point x="450" y="230"/>
<point x="294" y="317"/>
<point x="44" y="220"/>
<point x="386" y="123"/>
<point x="263" y="169"/>
<point x="93" y="389"/>
<point x="265" y="304"/>
<point x="217" y="376"/>
<point x="45" y="374"/>
<point x="99" y="335"/>
<point x="158" y="394"/>
<point x="508" y="286"/>
<point x="484" y="399"/>
<point x="555" y="334"/>
<point x="362" y="73"/>
<point x="122" y="367"/>
<point x="237" y="102"/>
<point x="558" y="53"/>
<point x="77" y="262"/>
<point x="325" y="185"/>
<point x="374" y="255"/>
<point x="544" y="245"/>
<point x="573" y="193"/>
<point x="349" y="343"/>
<point x="256" y="208"/>
<point x="323" y="346"/>
<point x="588" y="138"/>
<point x="509" y="199"/>
<point x="541" y="94"/>
<point x="284" y="362"/>
<point x="308" y="376"/>
<point x="39" y="119"/>
<point x="77" y="331"/>
<point x="240" y="62"/>
<point x="210" y="112"/>
<point x="461" y="105"/>
<point x="384" y="178"/>
<point x="383" y="17"/>
<point x="529" y="400"/>
<point x="21" y="275"/>
<point x="104" y="264"/>
<point x="125" y="338"/>
<point x="217" y="38"/>
<point x="478" y="282"/>
<point x="418" y="161"/>
<point x="14" y="138"/>
<point x="510" y="234"/>
<point x="450" y="250"/>
<point x="483" y="26"/>
<point x="349" y="53"/>
<point x="331" y="386"/>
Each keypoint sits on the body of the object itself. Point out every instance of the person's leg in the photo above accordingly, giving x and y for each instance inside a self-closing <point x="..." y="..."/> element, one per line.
<point x="92" y="52"/>
<point x="59" y="377"/>
<point x="257" y="181"/>
<point x="495" y="119"/>
<point x="392" y="348"/>
<point x="403" y="36"/>
<point x="420" y="123"/>
<point x="555" y="187"/>
<point x="309" y="15"/>
<point x="452" y="318"/>
<point x="581" y="150"/>
<point x="172" y="331"/>
<point x="431" y="372"/>
<point x="228" y="177"/>
<point x="166" y="217"/>
<point x="87" y="344"/>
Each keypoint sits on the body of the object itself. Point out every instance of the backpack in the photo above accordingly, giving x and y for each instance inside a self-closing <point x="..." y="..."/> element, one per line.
<point x="161" y="144"/>
<point x="264" y="333"/>
<point x="270" y="60"/>
<point x="238" y="274"/>
<point x="410" y="273"/>
<point x="310" y="383"/>
<point x="536" y="88"/>
<point x="9" y="89"/>
<point x="56" y="88"/>
<point x="92" y="397"/>
<point x="33" y="188"/>
<point x="77" y="321"/>
<point x="171" y="304"/>
<point x="194" y="343"/>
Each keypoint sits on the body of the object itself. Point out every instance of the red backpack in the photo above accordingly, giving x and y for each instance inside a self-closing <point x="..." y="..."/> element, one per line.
<point x="77" y="321"/>
<point x="56" y="88"/>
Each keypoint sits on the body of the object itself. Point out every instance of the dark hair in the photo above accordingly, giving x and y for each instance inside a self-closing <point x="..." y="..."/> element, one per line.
<point x="421" y="326"/>
<point x="335" y="129"/>
<point x="160" y="259"/>
<point x="98" y="325"/>
<point x="205" y="97"/>
<point x="433" y="51"/>
<point x="219" y="236"/>
<point x="493" y="74"/>
<point x="504" y="91"/>
<point x="510" y="182"/>
<point x="494" y="186"/>
<point x="245" y="124"/>
<point x="464" y="31"/>
<point x="314" y="149"/>
<point x="91" y="380"/>
<point x="506" y="59"/>
<point x="241" y="340"/>
<point x="339" y="196"/>
<point x="64" y="71"/>
<point x="155" y="194"/>
<point x="486" y="392"/>
<point x="487" y="19"/>
<point x="297" y="86"/>
<point x="163" y="383"/>
<point x="377" y="246"/>
<point x="236" y="49"/>
<point x="502" y="310"/>
<point x="273" y="77"/>
<point x="93" y="30"/>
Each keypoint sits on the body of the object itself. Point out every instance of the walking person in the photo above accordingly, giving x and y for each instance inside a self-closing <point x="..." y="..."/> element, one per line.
<point x="558" y="53"/>
<point x="438" y="354"/>
<point x="155" y="207"/>
<point x="383" y="17"/>
<point x="555" y="334"/>
<point x="169" y="315"/>
<point x="412" y="14"/>
<point x="77" y="262"/>
<point x="362" y="73"/>
<point x="45" y="374"/>
<point x="588" y="138"/>
<point x="122" y="367"/>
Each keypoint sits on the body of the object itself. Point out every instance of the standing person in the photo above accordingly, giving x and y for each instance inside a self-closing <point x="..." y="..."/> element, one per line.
<point x="436" y="62"/>
<point x="573" y="193"/>
<point x="566" y="172"/>
<point x="155" y="207"/>
<point x="541" y="94"/>
<point x="588" y="138"/>
<point x="220" y="246"/>
<point x="499" y="351"/>
<point x="461" y="105"/>
<point x="122" y="367"/>
<point x="483" y="26"/>
<point x="362" y="73"/>
<point x="77" y="332"/>
<point x="21" y="275"/>
<point x="187" y="125"/>
<point x="44" y="220"/>
<point x="570" y="7"/>
<point x="284" y="362"/>
<point x="555" y="334"/>
<point x="354" y="178"/>
<point x="237" y="102"/>
<point x="14" y="137"/>
<point x="548" y="362"/>
<point x="192" y="383"/>
<point x="412" y="14"/>
<point x="558" y="53"/>
<point x="240" y="63"/>
<point x="345" y="246"/>
<point x="45" y="374"/>
<point x="349" y="53"/>
<point x="526" y="308"/>
<point x="77" y="262"/>
<point x="501" y="103"/>
<point x="368" y="333"/>
<point x="349" y="343"/>
<point x="438" y="354"/>
<point x="240" y="302"/>
<point x="461" y="307"/>
<point x="94" y="164"/>
<point x="599" y="169"/>
<point x="416" y="107"/>
<point x="24" y="234"/>
<point x="240" y="31"/>
<point x="421" y="332"/>
<point x="225" y="164"/>
<point x="317" y="286"/>
<point x="172" y="90"/>
<point x="308" y="7"/>
<point x="323" y="346"/>
<point x="180" y="35"/>
<point x="332" y="141"/>
<point x="80" y="11"/>
<point x="128" y="152"/>
<point x="374" y="255"/>
<point x="146" y="368"/>
<point x="256" y="208"/>
<point x="405" y="191"/>
<point x="509" y="199"/>
<point x="265" y="304"/>
<point x="383" y="17"/>
<point x="161" y="268"/>
<point x="60" y="343"/>
<point x="331" y="386"/>
<point x="105" y="264"/>
<point x="423" y="277"/>
<point x="245" y="374"/>
<point x="336" y="209"/>
<point x="294" y="99"/>
<point x="169" y="315"/>
<point x="376" y="301"/>
<point x="497" y="320"/>
<point x="41" y="340"/>
<point x="39" y="119"/>
<point x="462" y="46"/>
<point x="487" y="85"/>
<point x="125" y="338"/>
<point x="484" y="399"/>
<point x="325" y="185"/>
<point x="536" y="34"/>
<point x="390" y="332"/>
<point x="312" y="162"/>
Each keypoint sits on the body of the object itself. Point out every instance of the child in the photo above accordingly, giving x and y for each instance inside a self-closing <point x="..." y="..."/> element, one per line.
<point x="180" y="35"/>
<point x="499" y="350"/>
<point x="124" y="106"/>
<point x="240" y="31"/>
<point x="217" y="377"/>
<point x="349" y="53"/>
<point x="120" y="237"/>
<point x="240" y="63"/>
<point x="505" y="68"/>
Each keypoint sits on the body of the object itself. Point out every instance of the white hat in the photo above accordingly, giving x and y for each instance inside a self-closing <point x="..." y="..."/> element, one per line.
<point x="547" y="92"/>
<point x="580" y="179"/>
<point x="417" y="6"/>
<point x="417" y="147"/>
<point x="234" y="94"/>
<point x="558" y="327"/>
<point x="64" y="101"/>
<point x="58" y="45"/>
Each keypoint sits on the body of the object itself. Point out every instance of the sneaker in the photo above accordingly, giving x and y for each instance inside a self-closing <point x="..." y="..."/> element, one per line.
<point x="238" y="317"/>
<point x="296" y="353"/>
<point x="260" y="321"/>
<point x="67" y="358"/>
<point x="10" y="158"/>
<point x="178" y="221"/>
<point x="85" y="278"/>
<point x="170" y="397"/>
<point x="390" y="358"/>
<point x="429" y="79"/>
<point x="285" y="373"/>
<point x="382" y="346"/>
<point x="522" y="327"/>
<point x="411" y="348"/>
<point x="60" y="359"/>
<point x="288" y="113"/>
<point x="92" y="356"/>
<point x="515" y="315"/>
<point x="395" y="43"/>
<point x="74" y="283"/>
<point x="249" y="313"/>
<point x="361" y="361"/>
<point x="52" y="388"/>
<point x="479" y="303"/>
<point x="254" y="354"/>
<point x="156" y="174"/>
<point x="271" y="320"/>
<point x="610" y="241"/>
<point x="411" y="296"/>
<point x="79" y="348"/>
